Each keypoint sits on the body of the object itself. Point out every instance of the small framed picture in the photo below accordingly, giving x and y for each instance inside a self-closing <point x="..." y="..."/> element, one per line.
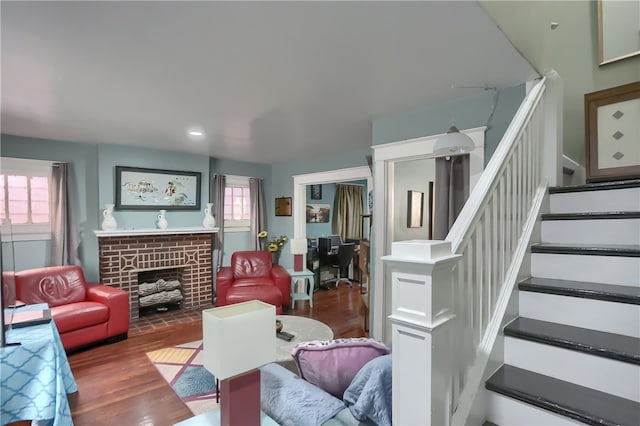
<point x="316" y="192"/>
<point x="415" y="200"/>
<point x="283" y="206"/>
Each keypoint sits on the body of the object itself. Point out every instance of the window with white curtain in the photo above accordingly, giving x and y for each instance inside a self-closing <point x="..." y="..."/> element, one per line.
<point x="24" y="197"/>
<point x="237" y="203"/>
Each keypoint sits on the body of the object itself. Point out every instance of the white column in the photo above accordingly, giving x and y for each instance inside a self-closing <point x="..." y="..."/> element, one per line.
<point x="422" y="310"/>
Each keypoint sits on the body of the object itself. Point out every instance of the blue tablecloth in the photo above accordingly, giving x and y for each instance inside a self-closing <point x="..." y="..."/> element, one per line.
<point x="35" y="376"/>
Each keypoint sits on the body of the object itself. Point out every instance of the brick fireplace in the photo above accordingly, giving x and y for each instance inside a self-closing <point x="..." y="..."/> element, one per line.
<point x="125" y="254"/>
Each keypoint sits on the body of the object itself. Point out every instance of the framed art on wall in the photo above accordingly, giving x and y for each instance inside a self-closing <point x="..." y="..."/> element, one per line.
<point x="151" y="189"/>
<point x="316" y="192"/>
<point x="612" y="133"/>
<point x="283" y="206"/>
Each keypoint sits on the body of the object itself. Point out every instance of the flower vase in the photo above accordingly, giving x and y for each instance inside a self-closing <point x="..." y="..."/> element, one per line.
<point x="162" y="223"/>
<point x="275" y="257"/>
<point x="108" y="222"/>
<point x="209" y="221"/>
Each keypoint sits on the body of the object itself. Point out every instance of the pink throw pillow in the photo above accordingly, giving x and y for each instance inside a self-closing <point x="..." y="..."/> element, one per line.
<point x="331" y="365"/>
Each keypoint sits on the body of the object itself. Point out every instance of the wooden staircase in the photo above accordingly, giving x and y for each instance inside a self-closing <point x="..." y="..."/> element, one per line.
<point x="573" y="354"/>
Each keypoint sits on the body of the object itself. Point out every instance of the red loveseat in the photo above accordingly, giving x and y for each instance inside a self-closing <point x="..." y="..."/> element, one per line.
<point x="83" y="313"/>
<point x="252" y="276"/>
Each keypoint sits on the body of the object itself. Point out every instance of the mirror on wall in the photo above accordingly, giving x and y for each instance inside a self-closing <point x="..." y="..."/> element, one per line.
<point x="618" y="29"/>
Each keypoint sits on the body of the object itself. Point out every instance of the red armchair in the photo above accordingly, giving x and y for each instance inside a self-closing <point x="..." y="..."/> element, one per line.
<point x="83" y="313"/>
<point x="252" y="276"/>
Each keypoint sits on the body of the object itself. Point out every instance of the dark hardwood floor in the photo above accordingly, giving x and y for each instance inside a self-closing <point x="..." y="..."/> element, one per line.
<point x="118" y="385"/>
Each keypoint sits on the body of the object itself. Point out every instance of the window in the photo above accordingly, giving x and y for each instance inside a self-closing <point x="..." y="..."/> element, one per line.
<point x="237" y="203"/>
<point x="24" y="197"/>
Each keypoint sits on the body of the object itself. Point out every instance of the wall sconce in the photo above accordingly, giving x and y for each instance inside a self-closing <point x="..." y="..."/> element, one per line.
<point x="453" y="143"/>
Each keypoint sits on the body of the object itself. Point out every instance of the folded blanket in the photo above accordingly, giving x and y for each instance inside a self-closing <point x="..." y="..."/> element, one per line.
<point x="290" y="400"/>
<point x="369" y="395"/>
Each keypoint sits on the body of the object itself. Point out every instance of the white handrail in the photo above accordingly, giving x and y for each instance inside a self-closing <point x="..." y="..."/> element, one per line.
<point x="489" y="233"/>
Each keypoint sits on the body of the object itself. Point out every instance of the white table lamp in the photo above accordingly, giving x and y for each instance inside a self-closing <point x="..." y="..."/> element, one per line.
<point x="237" y="340"/>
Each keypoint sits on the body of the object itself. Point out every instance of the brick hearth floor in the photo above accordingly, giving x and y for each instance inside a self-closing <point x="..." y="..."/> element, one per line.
<point x="159" y="320"/>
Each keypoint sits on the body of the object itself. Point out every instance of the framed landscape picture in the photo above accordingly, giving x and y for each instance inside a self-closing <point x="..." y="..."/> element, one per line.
<point x="152" y="189"/>
<point x="318" y="213"/>
<point x="316" y="192"/>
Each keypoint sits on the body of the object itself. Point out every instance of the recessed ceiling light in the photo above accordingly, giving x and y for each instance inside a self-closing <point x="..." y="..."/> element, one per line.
<point x="196" y="133"/>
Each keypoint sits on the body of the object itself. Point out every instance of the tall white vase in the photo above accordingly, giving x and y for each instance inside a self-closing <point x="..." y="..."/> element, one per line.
<point x="162" y="223"/>
<point x="108" y="222"/>
<point x="209" y="221"/>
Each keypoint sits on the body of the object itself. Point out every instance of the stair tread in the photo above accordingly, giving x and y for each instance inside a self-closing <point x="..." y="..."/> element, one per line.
<point x="609" y="292"/>
<point x="591" y="215"/>
<point x="625" y="250"/>
<point x="600" y="343"/>
<point x="596" y="186"/>
<point x="564" y="398"/>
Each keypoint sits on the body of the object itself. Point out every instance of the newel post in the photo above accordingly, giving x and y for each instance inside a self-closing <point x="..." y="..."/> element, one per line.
<point x="422" y="310"/>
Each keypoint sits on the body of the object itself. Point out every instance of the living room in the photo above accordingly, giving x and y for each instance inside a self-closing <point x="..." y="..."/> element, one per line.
<point x="93" y="162"/>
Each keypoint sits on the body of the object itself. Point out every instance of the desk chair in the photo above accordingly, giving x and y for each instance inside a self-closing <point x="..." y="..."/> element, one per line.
<point x="343" y="260"/>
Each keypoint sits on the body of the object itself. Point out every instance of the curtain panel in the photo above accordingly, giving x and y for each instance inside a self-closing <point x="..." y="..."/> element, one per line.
<point x="64" y="228"/>
<point x="257" y="220"/>
<point x="216" y="196"/>
<point x="347" y="211"/>
<point x="451" y="192"/>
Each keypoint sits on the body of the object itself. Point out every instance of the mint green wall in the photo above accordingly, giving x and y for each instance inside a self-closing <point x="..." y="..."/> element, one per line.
<point x="467" y="112"/>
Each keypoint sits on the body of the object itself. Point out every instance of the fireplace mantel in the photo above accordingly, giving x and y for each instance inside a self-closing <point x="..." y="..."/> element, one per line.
<point x="154" y="231"/>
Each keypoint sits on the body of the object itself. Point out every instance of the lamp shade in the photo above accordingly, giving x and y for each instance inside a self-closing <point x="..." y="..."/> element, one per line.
<point x="238" y="338"/>
<point x="298" y="246"/>
<point x="453" y="143"/>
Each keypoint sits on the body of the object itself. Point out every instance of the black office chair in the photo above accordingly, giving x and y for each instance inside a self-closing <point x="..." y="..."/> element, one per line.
<point x="343" y="260"/>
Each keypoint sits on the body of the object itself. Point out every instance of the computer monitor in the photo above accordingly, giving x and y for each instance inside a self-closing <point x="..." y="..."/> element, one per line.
<point x="336" y="241"/>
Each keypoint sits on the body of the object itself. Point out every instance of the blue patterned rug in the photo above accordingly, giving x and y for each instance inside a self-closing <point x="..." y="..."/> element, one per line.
<point x="181" y="366"/>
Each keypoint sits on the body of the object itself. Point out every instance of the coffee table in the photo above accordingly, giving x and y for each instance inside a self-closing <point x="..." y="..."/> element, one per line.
<point x="304" y="329"/>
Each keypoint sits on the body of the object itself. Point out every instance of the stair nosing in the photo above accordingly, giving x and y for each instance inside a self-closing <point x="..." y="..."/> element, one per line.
<point x="575" y="345"/>
<point x="544" y="401"/>
<point x="618" y="215"/>
<point x="587" y="250"/>
<point x="577" y="289"/>
<point x="596" y="186"/>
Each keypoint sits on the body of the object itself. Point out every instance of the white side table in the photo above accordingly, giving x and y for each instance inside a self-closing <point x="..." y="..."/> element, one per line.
<point x="305" y="274"/>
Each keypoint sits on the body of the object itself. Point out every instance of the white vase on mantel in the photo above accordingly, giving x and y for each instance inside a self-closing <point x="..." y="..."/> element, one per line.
<point x="162" y="223"/>
<point x="108" y="221"/>
<point x="209" y="221"/>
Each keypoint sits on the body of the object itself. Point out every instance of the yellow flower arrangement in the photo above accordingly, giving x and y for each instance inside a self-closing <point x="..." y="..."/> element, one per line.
<point x="274" y="244"/>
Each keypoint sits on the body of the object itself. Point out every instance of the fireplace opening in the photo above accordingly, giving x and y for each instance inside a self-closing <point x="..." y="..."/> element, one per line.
<point x="160" y="290"/>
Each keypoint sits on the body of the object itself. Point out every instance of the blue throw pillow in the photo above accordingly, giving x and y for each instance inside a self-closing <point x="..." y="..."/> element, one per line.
<point x="369" y="395"/>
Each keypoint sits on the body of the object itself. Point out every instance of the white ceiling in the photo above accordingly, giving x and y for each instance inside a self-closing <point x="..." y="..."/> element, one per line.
<point x="266" y="81"/>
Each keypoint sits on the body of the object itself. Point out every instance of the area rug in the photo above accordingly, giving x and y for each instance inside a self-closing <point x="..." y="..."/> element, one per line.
<point x="181" y="366"/>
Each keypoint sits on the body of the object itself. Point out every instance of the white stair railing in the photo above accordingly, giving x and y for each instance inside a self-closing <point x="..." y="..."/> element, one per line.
<point x="449" y="297"/>
<point x="491" y="234"/>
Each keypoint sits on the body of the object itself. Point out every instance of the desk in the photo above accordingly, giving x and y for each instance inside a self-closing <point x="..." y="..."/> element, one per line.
<point x="306" y="295"/>
<point x="35" y="375"/>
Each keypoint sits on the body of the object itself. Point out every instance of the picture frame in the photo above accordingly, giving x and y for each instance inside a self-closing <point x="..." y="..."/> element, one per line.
<point x="140" y="188"/>
<point x="318" y="213"/>
<point x="415" y="208"/>
<point x="612" y="135"/>
<point x="316" y="192"/>
<point x="283" y="206"/>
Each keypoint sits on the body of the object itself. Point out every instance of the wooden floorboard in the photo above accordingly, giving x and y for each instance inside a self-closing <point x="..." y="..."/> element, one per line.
<point x="118" y="385"/>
